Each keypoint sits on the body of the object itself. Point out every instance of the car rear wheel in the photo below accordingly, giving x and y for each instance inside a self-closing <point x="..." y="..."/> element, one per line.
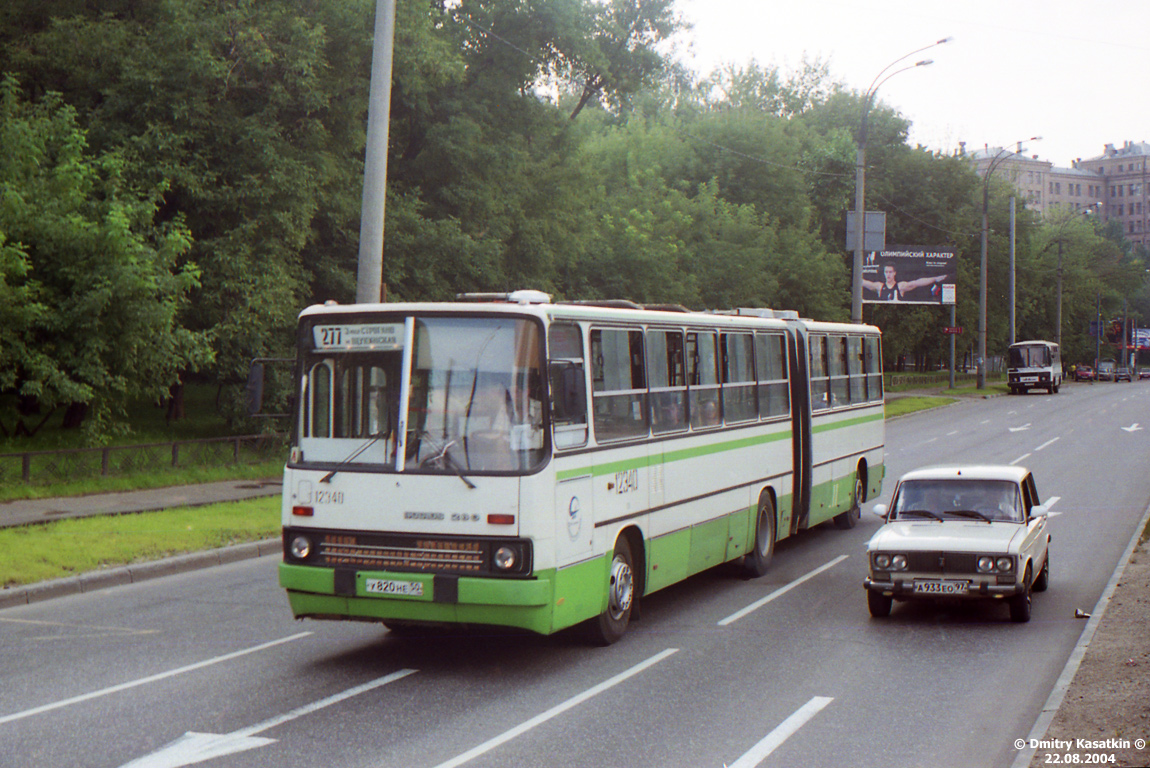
<point x="878" y="604"/>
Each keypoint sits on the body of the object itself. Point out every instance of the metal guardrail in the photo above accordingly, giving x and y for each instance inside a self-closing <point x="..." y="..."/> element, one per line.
<point x="40" y="467"/>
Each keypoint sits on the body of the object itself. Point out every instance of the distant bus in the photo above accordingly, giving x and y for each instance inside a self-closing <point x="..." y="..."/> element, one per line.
<point x="524" y="463"/>
<point x="1034" y="365"/>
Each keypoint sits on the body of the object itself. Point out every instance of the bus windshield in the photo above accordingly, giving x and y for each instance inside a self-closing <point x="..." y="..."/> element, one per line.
<point x="475" y="397"/>
<point x="1034" y="356"/>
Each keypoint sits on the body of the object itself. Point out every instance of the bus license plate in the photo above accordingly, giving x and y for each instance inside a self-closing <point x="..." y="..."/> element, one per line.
<point x="393" y="587"/>
<point x="1028" y="379"/>
<point x="941" y="587"/>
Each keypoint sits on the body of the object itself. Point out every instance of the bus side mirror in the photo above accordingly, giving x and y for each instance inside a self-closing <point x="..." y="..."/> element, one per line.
<point x="254" y="390"/>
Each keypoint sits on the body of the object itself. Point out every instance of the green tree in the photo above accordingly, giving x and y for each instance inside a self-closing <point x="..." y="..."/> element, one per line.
<point x="91" y="283"/>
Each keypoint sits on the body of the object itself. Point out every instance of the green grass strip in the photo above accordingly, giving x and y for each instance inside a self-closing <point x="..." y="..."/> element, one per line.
<point x="73" y="546"/>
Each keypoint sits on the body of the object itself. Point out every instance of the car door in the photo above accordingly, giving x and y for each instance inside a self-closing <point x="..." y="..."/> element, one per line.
<point x="1033" y="549"/>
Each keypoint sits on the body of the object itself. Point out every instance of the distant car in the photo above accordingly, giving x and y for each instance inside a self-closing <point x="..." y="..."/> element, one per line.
<point x="968" y="533"/>
<point x="1122" y="374"/>
<point x="1105" y="371"/>
<point x="1084" y="373"/>
<point x="1144" y="373"/>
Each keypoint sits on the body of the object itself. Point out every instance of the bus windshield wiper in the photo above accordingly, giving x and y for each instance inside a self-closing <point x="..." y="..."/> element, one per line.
<point x="354" y="455"/>
<point x="442" y="454"/>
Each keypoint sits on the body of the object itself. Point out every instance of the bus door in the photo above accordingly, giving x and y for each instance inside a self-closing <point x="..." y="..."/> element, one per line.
<point x="801" y="425"/>
<point x="567" y="380"/>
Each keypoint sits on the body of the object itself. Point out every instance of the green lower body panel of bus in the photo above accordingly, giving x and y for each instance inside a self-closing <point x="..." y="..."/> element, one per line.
<point x="546" y="603"/>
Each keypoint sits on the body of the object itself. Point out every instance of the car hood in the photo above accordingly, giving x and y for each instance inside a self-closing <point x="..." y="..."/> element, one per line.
<point x="947" y="536"/>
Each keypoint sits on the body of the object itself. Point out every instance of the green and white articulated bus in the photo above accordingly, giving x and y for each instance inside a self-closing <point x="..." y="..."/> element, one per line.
<point x="506" y="460"/>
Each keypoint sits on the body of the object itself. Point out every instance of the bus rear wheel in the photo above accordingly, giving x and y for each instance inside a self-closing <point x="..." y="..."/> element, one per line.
<point x="851" y="517"/>
<point x="758" y="560"/>
<point x="610" y="625"/>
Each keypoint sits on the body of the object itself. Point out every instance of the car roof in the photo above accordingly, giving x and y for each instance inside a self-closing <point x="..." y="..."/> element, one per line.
<point x="969" y="472"/>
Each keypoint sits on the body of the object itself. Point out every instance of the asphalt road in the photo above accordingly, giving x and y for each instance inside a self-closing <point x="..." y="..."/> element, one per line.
<point x="209" y="668"/>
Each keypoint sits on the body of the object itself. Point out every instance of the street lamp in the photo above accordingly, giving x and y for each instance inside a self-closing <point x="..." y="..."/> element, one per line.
<point x="860" y="171"/>
<point x="1061" y="231"/>
<point x="996" y="161"/>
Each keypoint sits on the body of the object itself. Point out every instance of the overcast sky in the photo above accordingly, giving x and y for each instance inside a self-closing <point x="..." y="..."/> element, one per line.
<point x="1074" y="73"/>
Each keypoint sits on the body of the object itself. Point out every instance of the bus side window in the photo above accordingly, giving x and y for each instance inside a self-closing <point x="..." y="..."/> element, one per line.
<point x="668" y="381"/>
<point x="855" y="369"/>
<point x="703" y="393"/>
<point x="837" y="370"/>
<point x="771" y="372"/>
<point x="739" y="401"/>
<point x="820" y="384"/>
<point x="619" y="382"/>
<point x="873" y="368"/>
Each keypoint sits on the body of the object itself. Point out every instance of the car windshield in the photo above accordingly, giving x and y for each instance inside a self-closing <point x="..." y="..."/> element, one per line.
<point x="958" y="498"/>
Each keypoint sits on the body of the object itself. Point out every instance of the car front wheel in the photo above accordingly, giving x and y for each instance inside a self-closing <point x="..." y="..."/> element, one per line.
<point x="879" y="604"/>
<point x="1020" y="603"/>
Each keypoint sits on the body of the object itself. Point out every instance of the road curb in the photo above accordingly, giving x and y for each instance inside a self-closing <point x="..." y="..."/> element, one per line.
<point x="130" y="574"/>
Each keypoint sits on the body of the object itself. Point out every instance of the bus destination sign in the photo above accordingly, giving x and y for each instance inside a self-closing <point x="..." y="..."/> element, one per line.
<point x="359" y="338"/>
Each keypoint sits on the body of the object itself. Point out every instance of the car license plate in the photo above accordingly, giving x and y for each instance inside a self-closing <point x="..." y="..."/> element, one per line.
<point x="941" y="587"/>
<point x="1029" y="379"/>
<point x="393" y="587"/>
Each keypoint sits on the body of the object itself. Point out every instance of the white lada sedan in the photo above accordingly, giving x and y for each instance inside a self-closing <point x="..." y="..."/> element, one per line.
<point x="976" y="532"/>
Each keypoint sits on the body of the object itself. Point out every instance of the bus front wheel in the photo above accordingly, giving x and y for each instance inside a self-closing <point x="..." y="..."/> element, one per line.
<point x="612" y="623"/>
<point x="758" y="560"/>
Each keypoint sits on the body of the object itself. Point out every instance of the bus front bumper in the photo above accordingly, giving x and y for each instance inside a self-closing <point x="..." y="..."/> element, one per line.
<point x="328" y="593"/>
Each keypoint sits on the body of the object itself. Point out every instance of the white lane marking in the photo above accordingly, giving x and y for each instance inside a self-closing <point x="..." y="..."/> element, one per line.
<point x="192" y="747"/>
<point x="780" y="592"/>
<point x="1050" y="503"/>
<point x="1023" y="428"/>
<point x="785" y="730"/>
<point x="952" y="434"/>
<point x="1046" y="444"/>
<point x="1023" y="457"/>
<point x="146" y="680"/>
<point x="558" y="709"/>
<point x="1132" y="428"/>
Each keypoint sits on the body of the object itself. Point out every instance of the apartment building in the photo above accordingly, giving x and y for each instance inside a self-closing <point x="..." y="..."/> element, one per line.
<point x="1117" y="181"/>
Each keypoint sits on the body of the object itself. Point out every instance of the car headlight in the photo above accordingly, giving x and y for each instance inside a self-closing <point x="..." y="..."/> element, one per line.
<point x="995" y="564"/>
<point x="885" y="562"/>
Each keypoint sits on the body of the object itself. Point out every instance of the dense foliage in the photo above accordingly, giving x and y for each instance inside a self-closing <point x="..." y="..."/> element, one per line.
<point x="180" y="177"/>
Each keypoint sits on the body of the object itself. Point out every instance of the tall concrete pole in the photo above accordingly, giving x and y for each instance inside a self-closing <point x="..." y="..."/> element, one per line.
<point x="369" y="278"/>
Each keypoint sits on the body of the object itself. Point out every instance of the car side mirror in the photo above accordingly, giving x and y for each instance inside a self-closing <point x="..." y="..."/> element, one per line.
<point x="879" y="509"/>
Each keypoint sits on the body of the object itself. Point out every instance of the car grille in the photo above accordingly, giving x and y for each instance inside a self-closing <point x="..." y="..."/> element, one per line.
<point x="942" y="563"/>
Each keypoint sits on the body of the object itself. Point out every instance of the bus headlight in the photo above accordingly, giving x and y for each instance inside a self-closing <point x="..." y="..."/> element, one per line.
<point x="506" y="558"/>
<point x="300" y="547"/>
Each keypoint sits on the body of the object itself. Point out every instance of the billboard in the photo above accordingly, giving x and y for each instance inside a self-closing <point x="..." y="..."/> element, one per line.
<point x="909" y="274"/>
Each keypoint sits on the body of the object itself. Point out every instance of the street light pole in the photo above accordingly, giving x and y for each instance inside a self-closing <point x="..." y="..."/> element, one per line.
<point x="860" y="172"/>
<point x="994" y="164"/>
